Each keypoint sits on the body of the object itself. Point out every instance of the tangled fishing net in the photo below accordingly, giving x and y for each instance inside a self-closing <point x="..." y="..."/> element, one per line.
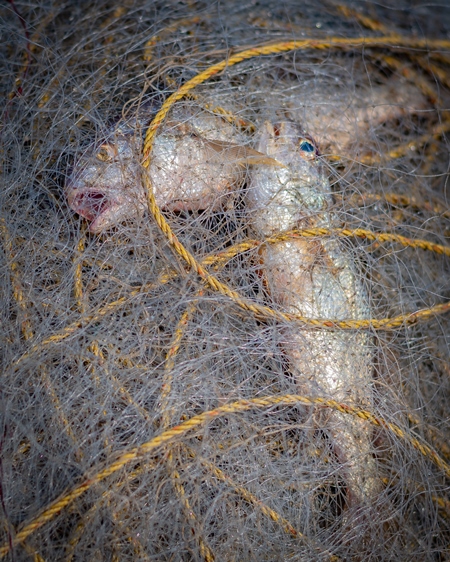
<point x="148" y="408"/>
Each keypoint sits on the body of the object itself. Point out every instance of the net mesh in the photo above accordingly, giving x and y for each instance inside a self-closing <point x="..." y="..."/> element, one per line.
<point x="147" y="414"/>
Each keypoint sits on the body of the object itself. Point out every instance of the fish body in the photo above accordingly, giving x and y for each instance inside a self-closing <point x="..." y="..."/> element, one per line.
<point x="343" y="122"/>
<point x="317" y="279"/>
<point x="197" y="160"/>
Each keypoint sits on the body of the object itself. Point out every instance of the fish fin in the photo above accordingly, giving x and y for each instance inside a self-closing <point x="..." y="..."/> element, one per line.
<point x="242" y="155"/>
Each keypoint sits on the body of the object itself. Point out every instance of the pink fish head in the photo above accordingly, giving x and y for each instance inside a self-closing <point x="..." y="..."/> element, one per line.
<point x="106" y="188"/>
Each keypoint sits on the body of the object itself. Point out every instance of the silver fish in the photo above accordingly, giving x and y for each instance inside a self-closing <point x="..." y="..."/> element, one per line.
<point x="317" y="279"/>
<point x="340" y="119"/>
<point x="197" y="160"/>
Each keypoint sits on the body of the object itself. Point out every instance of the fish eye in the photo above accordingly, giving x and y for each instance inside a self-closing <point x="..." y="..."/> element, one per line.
<point x="308" y="150"/>
<point x="106" y="153"/>
<point x="306" y="146"/>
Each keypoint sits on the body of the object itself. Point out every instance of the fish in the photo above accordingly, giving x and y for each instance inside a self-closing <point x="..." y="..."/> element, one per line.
<point x="340" y="120"/>
<point x="197" y="162"/>
<point x="316" y="278"/>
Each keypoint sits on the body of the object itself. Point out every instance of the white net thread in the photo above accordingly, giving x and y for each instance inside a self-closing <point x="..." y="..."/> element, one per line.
<point x="147" y="416"/>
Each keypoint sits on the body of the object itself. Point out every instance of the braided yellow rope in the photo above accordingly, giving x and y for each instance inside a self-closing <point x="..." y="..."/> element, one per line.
<point x="266" y="510"/>
<point x="392" y="41"/>
<point x="167" y="412"/>
<point x="365" y="234"/>
<point x="399" y="151"/>
<point x="383" y="324"/>
<point x="179" y="431"/>
<point x="364" y="20"/>
<point x="400" y="200"/>
<point x="18" y="292"/>
<point x="211" y="280"/>
<point x="78" y="274"/>
<point x="267" y="312"/>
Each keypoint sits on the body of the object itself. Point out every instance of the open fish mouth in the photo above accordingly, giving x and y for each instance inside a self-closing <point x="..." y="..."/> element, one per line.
<point x="88" y="204"/>
<point x="100" y="207"/>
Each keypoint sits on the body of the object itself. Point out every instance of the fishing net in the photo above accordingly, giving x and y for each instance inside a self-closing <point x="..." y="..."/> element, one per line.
<point x="149" y="407"/>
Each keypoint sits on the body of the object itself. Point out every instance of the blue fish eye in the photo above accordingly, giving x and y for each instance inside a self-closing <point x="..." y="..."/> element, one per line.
<point x="307" y="146"/>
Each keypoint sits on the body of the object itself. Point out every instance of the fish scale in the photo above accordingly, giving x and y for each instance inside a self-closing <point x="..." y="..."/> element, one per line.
<point x="197" y="160"/>
<point x="114" y="337"/>
<point x="316" y="279"/>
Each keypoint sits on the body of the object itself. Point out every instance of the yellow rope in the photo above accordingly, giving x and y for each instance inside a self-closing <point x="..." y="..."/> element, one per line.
<point x="382" y="324"/>
<point x="400" y="200"/>
<point x="433" y="435"/>
<point x="267" y="312"/>
<point x="177" y="432"/>
<point x="78" y="275"/>
<point x="16" y="284"/>
<point x="399" y="151"/>
<point x="245" y="405"/>
<point x="393" y="41"/>
<point x="265" y="509"/>
<point x="167" y="412"/>
<point x="211" y="280"/>
<point x="241" y="247"/>
<point x="366" y="21"/>
<point x="370" y="235"/>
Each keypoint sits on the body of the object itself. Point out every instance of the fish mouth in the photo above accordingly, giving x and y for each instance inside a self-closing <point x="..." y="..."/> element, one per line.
<point x="88" y="204"/>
